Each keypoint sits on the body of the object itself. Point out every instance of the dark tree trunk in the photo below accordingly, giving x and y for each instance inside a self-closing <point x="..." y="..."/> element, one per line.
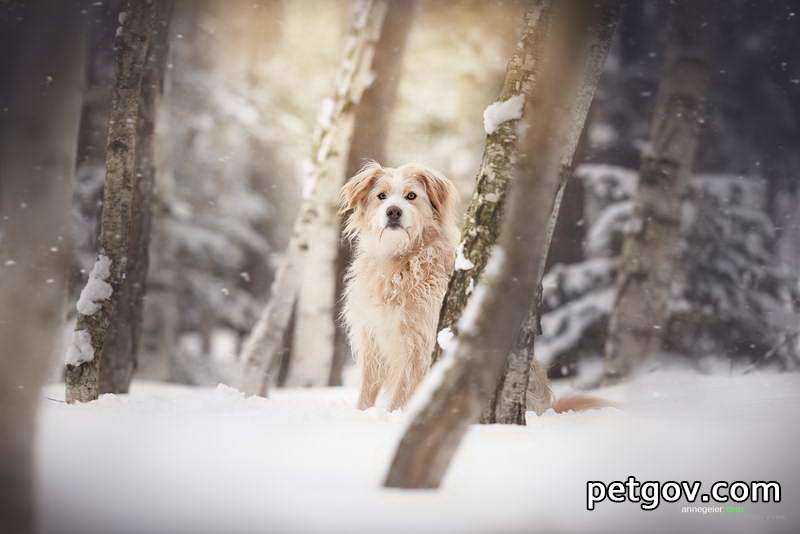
<point x="485" y="211"/>
<point x="124" y="333"/>
<point x="41" y="79"/>
<point x="87" y="195"/>
<point x="462" y="383"/>
<point x="107" y="294"/>
<point x="649" y="258"/>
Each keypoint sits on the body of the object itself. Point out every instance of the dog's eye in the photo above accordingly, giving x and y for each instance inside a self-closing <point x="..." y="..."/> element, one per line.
<point x="411" y="196"/>
<point x="382" y="196"/>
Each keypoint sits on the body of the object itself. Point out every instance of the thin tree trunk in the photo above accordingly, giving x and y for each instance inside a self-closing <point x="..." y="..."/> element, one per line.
<point x="102" y="298"/>
<point x="457" y="390"/>
<point x="509" y="403"/>
<point x="372" y="127"/>
<point x="121" y="354"/>
<point x="307" y="278"/>
<point x="42" y="73"/>
<point x="485" y="211"/>
<point x="90" y="171"/>
<point x="649" y="259"/>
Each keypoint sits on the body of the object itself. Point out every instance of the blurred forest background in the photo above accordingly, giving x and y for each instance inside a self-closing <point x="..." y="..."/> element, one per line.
<point x="180" y="160"/>
<point x="244" y="85"/>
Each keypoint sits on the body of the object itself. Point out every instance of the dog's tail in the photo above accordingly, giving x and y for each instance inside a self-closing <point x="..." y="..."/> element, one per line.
<point x="580" y="403"/>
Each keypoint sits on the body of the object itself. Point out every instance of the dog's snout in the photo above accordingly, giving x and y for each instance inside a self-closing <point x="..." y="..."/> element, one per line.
<point x="394" y="213"/>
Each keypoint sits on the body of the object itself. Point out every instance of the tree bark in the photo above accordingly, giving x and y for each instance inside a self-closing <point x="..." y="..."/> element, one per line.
<point x="138" y="23"/>
<point x="509" y="403"/>
<point x="42" y="73"/>
<point x="124" y="333"/>
<point x="307" y="279"/>
<point x="485" y="211"/>
<point x="87" y="197"/>
<point x="649" y="258"/>
<point x="464" y="380"/>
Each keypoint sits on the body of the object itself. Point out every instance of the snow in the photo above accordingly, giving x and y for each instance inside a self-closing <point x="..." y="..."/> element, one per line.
<point x="80" y="348"/>
<point x="97" y="289"/>
<point x="499" y="112"/>
<point x="469" y="317"/>
<point x="445" y="337"/>
<point x="173" y="459"/>
<point x="462" y="262"/>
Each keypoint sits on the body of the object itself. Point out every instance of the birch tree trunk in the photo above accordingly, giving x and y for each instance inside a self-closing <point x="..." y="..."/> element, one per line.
<point x="485" y="211"/>
<point x="42" y="73"/>
<point x="649" y="258"/>
<point x="306" y="282"/>
<point x="120" y="360"/>
<point x="455" y="393"/>
<point x="102" y="299"/>
<point x="509" y="403"/>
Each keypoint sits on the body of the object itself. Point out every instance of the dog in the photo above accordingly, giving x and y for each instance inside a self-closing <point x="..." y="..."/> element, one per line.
<point x="402" y="222"/>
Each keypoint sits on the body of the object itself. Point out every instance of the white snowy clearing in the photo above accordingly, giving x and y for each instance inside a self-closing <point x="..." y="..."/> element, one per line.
<point x="173" y="459"/>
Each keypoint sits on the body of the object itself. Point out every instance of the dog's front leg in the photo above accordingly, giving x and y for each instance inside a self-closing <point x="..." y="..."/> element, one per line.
<point x="372" y="374"/>
<point x="410" y="367"/>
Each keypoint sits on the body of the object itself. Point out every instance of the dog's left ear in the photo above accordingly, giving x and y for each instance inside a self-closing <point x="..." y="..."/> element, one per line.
<point x="441" y="192"/>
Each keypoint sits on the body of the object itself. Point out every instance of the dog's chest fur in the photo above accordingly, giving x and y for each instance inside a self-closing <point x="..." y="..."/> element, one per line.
<point x="391" y="297"/>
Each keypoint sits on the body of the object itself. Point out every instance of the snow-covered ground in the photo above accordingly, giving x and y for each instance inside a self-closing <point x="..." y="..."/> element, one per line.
<point x="172" y="459"/>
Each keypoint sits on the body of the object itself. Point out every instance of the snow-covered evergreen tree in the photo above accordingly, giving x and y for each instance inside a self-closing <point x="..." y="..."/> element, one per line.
<point x="731" y="302"/>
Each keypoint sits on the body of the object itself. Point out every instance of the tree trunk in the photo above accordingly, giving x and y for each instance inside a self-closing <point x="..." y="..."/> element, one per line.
<point x="458" y="388"/>
<point x="649" y="259"/>
<point x="485" y="211"/>
<point x="105" y="295"/>
<point x="369" y="137"/>
<point x="120" y="360"/>
<point x="509" y="403"/>
<point x="87" y="195"/>
<point x="42" y="73"/>
<point x="307" y="278"/>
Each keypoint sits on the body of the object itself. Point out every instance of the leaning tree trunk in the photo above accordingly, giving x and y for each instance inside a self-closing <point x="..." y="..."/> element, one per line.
<point x="40" y="95"/>
<point x="457" y="390"/>
<point x="307" y="279"/>
<point x="650" y="252"/>
<point x="372" y="127"/>
<point x="101" y="300"/>
<point x="509" y="403"/>
<point x="484" y="213"/>
<point x="124" y="332"/>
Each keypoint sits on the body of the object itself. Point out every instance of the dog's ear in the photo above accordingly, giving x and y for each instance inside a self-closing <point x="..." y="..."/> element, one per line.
<point x="355" y="191"/>
<point x="441" y="192"/>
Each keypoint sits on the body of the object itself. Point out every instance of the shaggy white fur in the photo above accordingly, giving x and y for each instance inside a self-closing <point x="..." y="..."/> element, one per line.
<point x="402" y="221"/>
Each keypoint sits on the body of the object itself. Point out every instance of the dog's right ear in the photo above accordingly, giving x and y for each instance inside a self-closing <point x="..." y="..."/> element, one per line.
<point x="357" y="188"/>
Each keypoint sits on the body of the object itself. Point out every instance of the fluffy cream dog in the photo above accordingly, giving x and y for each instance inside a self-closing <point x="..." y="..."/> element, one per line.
<point x="403" y="224"/>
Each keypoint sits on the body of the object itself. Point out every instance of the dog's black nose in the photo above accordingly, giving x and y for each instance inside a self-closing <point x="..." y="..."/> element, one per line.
<point x="394" y="213"/>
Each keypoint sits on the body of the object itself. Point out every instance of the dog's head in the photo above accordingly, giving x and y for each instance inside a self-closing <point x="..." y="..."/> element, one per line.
<point x="393" y="208"/>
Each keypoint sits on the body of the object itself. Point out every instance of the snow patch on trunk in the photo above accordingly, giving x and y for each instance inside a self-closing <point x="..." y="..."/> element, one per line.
<point x="462" y="262"/>
<point x="445" y="338"/>
<point x="80" y="350"/>
<point x="472" y="311"/>
<point x="97" y="289"/>
<point x="499" y="112"/>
